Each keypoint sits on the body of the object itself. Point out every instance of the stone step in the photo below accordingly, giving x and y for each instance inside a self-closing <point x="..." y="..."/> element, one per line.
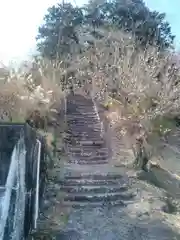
<point x="81" y="133"/>
<point x="95" y="176"/>
<point x="107" y="181"/>
<point x="81" y="117"/>
<point x="85" y="106"/>
<point x="78" y="114"/>
<point x="87" y="162"/>
<point x="82" y="110"/>
<point x="88" y="134"/>
<point x="77" y="149"/>
<point x="85" y="133"/>
<point x="90" y="158"/>
<point x="76" y="101"/>
<point x="98" y="197"/>
<point x="80" y="102"/>
<point x="83" y="144"/>
<point x="94" y="189"/>
<point x="86" y="126"/>
<point x="93" y="142"/>
<point x="81" y="123"/>
<point x="85" y="204"/>
<point x="102" y="150"/>
<point x="87" y="148"/>
<point x="76" y="132"/>
<point x="91" y="137"/>
<point x="86" y="129"/>
<point x="90" y="155"/>
<point x="90" y="114"/>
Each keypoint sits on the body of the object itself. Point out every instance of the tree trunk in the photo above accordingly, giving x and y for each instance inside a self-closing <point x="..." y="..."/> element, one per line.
<point x="141" y="156"/>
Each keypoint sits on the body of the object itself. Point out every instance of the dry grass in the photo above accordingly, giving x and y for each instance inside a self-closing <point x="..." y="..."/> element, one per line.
<point x="34" y="87"/>
<point x="145" y="84"/>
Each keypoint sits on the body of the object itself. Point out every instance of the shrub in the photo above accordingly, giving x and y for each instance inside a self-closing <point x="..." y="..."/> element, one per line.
<point x="31" y="92"/>
<point x="144" y="83"/>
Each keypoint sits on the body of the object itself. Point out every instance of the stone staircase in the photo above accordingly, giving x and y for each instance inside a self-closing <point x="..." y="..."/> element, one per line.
<point x="85" y="144"/>
<point x="95" y="191"/>
<point x="95" y="183"/>
<point x="98" y="201"/>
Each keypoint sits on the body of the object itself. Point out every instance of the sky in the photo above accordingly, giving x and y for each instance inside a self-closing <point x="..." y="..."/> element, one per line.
<point x="19" y="21"/>
<point x="171" y="8"/>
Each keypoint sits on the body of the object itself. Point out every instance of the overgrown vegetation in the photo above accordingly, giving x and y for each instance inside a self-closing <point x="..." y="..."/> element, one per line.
<point x="143" y="83"/>
<point x="31" y="93"/>
<point x="120" y="51"/>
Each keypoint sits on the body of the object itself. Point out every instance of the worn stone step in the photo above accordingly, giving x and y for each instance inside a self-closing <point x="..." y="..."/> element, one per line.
<point x="84" y="147"/>
<point x="92" y="182"/>
<point x="85" y="126"/>
<point x="89" y="136"/>
<point x="96" y="197"/>
<point x="82" y="121"/>
<point x="77" y="149"/>
<point x="91" y="158"/>
<point x="85" y="106"/>
<point x="90" y="114"/>
<point x="78" y="133"/>
<point x="94" y="189"/>
<point x="102" y="150"/>
<point x="78" y="114"/>
<point x="81" y="102"/>
<point x="95" y="160"/>
<point x="85" y="204"/>
<point x="82" y="154"/>
<point x="85" y="129"/>
<point x="86" y="135"/>
<point x="91" y="142"/>
<point x="87" y="162"/>
<point x="85" y="139"/>
<point x="96" y="176"/>
<point x="81" y="118"/>
<point x="91" y="155"/>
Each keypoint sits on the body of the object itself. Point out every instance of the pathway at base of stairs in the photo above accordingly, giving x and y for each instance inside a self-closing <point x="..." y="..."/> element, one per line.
<point x="106" y="203"/>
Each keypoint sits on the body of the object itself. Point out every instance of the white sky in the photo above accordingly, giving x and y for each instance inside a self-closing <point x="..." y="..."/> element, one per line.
<point x="19" y="21"/>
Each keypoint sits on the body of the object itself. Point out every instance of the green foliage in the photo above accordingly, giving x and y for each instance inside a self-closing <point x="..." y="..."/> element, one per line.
<point x="59" y="30"/>
<point x="148" y="27"/>
<point x="63" y="22"/>
<point x="163" y="125"/>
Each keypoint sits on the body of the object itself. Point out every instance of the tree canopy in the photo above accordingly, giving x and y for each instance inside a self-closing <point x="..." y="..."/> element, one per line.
<point x="63" y="21"/>
<point x="58" y="31"/>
